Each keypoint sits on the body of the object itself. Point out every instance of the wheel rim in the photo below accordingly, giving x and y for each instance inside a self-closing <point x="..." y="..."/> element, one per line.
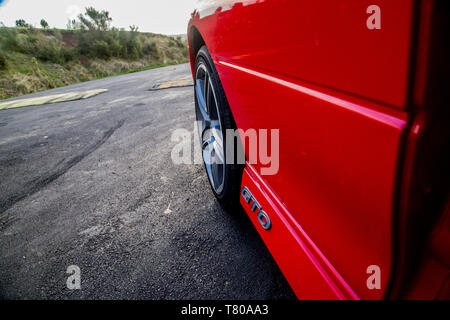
<point x="210" y="128"/>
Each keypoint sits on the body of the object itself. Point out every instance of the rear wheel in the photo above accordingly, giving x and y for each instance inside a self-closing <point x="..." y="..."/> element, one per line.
<point x="214" y="117"/>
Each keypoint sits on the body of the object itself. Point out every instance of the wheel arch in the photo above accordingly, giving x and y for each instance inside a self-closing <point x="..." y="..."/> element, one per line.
<point x="195" y="41"/>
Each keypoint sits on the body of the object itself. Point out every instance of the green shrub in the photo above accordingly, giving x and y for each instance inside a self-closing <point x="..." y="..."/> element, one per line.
<point x="172" y="43"/>
<point x="8" y="39"/>
<point x="49" y="49"/>
<point x="101" y="49"/>
<point x="2" y="61"/>
<point x="149" y="48"/>
<point x="68" y="54"/>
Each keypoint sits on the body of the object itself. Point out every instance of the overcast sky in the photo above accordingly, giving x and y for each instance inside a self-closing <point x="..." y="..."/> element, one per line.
<point x="158" y="16"/>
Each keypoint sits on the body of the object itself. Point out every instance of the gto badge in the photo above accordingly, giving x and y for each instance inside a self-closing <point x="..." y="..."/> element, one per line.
<point x="263" y="217"/>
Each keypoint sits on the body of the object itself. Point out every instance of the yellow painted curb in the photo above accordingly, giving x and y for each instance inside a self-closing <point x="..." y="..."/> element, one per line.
<point x="64" y="97"/>
<point x="173" y="84"/>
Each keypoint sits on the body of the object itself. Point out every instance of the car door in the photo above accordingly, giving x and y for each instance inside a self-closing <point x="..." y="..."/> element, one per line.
<point x="332" y="76"/>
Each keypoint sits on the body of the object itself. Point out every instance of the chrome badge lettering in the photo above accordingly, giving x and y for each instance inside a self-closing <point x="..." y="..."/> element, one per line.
<point x="263" y="217"/>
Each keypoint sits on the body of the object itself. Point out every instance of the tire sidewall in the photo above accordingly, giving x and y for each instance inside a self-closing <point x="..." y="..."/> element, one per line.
<point x="203" y="57"/>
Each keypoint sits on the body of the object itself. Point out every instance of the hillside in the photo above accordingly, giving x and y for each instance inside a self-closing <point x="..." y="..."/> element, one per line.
<point x="33" y="59"/>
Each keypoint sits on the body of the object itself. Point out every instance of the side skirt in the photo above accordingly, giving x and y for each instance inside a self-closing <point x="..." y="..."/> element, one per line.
<point x="307" y="270"/>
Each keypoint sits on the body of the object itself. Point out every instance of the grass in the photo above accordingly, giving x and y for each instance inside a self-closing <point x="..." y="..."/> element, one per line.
<point x="36" y="60"/>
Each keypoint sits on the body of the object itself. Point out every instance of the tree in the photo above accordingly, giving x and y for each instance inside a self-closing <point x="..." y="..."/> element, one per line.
<point x="22" y="24"/>
<point x="44" y="24"/>
<point x="95" y="20"/>
<point x="73" y="24"/>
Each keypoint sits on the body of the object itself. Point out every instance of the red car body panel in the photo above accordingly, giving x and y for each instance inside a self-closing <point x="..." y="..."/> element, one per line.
<point x="327" y="158"/>
<point x="338" y="92"/>
<point x="363" y="62"/>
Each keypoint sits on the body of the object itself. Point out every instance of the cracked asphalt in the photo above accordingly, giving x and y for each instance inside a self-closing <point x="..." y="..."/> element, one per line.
<point x="89" y="182"/>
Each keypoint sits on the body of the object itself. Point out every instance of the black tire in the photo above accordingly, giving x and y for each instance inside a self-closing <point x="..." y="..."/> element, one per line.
<point x="230" y="195"/>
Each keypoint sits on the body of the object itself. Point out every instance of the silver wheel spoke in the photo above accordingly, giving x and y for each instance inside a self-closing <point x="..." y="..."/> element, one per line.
<point x="210" y="128"/>
<point x="218" y="144"/>
<point x="218" y="153"/>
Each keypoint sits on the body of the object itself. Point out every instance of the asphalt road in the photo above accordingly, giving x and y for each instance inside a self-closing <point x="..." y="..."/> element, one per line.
<point x="89" y="182"/>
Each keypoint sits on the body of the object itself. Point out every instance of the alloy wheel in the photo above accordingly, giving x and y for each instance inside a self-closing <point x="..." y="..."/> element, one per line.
<point x="210" y="128"/>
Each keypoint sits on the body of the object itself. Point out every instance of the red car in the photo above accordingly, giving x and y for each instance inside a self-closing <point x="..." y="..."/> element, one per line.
<point x="350" y="99"/>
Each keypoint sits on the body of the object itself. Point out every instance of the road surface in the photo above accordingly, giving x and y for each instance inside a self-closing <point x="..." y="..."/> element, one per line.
<point x="91" y="183"/>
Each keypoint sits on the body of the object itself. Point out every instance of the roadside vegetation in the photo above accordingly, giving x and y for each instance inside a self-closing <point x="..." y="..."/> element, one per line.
<point x="33" y="59"/>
